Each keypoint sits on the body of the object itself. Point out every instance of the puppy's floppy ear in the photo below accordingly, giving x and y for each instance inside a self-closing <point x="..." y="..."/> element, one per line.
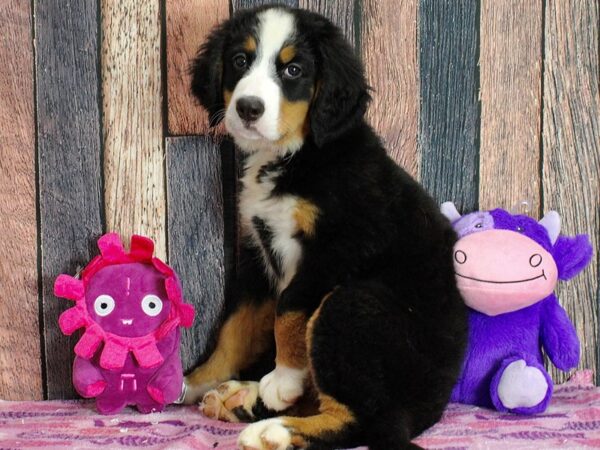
<point x="207" y="73"/>
<point x="342" y="92"/>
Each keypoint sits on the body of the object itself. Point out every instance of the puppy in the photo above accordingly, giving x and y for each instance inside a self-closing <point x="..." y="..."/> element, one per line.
<point x="345" y="259"/>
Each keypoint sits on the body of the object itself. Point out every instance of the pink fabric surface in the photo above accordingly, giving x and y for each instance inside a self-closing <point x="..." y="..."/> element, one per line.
<point x="571" y="422"/>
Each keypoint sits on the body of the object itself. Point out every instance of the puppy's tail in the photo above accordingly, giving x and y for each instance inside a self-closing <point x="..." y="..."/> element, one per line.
<point x="390" y="431"/>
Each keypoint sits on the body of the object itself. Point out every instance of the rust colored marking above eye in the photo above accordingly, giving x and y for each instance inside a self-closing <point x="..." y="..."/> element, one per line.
<point x="250" y="44"/>
<point x="287" y="53"/>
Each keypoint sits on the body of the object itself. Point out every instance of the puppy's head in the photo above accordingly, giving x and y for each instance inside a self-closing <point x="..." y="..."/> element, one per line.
<point x="278" y="75"/>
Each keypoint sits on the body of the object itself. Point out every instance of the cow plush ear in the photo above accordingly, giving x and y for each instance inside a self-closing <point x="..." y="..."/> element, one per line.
<point x="207" y="73"/>
<point x="572" y="255"/>
<point x="449" y="210"/>
<point x="341" y="95"/>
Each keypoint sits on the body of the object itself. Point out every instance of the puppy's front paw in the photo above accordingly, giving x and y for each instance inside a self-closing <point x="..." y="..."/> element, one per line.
<point x="231" y="401"/>
<point x="193" y="392"/>
<point x="281" y="388"/>
<point x="268" y="434"/>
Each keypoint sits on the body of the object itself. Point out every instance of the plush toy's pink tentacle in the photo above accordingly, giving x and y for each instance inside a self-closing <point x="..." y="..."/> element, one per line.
<point x="110" y="245"/>
<point x="173" y="290"/>
<point x="113" y="355"/>
<point x="162" y="267"/>
<point x="70" y="320"/>
<point x="88" y="344"/>
<point x="186" y="312"/>
<point x="69" y="287"/>
<point x="142" y="247"/>
<point x="148" y="355"/>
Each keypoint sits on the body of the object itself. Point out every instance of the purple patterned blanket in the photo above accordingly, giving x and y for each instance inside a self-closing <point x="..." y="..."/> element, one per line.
<point x="571" y="422"/>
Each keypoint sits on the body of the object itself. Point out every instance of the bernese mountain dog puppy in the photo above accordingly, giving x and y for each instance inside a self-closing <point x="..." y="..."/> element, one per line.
<point x="346" y="261"/>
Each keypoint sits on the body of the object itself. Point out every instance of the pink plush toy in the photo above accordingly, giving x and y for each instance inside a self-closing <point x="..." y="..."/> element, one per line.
<point x="131" y="307"/>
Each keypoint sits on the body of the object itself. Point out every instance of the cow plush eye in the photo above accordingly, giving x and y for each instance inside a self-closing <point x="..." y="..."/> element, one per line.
<point x="152" y="305"/>
<point x="479" y="225"/>
<point x="240" y="61"/>
<point x="292" y="71"/>
<point x="104" y="305"/>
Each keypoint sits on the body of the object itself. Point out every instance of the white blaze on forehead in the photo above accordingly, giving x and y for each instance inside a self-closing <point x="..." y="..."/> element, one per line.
<point x="275" y="28"/>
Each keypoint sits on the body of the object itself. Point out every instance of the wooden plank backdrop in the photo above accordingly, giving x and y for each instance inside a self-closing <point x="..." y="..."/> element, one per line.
<point x="571" y="150"/>
<point x="69" y="163"/>
<point x="449" y="107"/>
<point x="134" y="155"/>
<point x="20" y="375"/>
<point x="487" y="102"/>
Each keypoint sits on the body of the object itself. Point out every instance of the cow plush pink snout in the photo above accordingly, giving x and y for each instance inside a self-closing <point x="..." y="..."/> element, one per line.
<point x="500" y="271"/>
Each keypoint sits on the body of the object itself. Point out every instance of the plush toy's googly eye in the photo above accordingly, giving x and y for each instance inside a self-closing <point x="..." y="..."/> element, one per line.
<point x="104" y="305"/>
<point x="152" y="305"/>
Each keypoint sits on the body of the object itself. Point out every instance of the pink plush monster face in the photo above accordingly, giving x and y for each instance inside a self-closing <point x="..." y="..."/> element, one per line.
<point x="502" y="261"/>
<point x="128" y="300"/>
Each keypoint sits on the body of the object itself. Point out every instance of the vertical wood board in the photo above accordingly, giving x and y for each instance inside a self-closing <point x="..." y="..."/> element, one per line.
<point x="511" y="102"/>
<point x="197" y="235"/>
<point x="70" y="180"/>
<point x="389" y="51"/>
<point x="132" y="120"/>
<point x="20" y="372"/>
<point x="449" y="111"/>
<point x="188" y="23"/>
<point x="243" y="4"/>
<point x="571" y="152"/>
<point x="340" y="12"/>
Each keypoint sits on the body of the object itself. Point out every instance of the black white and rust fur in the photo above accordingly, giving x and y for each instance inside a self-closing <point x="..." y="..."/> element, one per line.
<point x="346" y="260"/>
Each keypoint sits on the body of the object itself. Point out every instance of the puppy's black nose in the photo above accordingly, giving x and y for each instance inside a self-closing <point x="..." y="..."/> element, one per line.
<point x="250" y="108"/>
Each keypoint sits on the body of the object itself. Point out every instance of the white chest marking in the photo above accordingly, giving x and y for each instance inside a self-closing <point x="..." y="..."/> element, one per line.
<point x="277" y="213"/>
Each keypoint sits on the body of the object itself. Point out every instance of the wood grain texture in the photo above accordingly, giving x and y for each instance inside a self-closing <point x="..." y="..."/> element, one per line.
<point x="242" y="4"/>
<point x="340" y="12"/>
<point x="188" y="23"/>
<point x="197" y="230"/>
<point x="70" y="181"/>
<point x="132" y="120"/>
<point x="449" y="109"/>
<point x="571" y="153"/>
<point x="389" y="50"/>
<point x="511" y="103"/>
<point x="20" y="372"/>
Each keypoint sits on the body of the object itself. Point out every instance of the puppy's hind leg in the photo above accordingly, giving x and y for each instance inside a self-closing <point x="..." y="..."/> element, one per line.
<point x="376" y="380"/>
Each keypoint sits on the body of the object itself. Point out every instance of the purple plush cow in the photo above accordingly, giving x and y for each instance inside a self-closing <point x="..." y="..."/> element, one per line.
<point x="507" y="267"/>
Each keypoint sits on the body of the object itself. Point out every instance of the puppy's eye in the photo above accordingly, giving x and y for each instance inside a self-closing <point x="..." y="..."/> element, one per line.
<point x="240" y="61"/>
<point x="292" y="71"/>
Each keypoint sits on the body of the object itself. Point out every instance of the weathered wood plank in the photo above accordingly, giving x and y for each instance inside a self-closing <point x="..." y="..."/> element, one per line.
<point x="511" y="103"/>
<point x="389" y="50"/>
<point x="70" y="181"/>
<point x="132" y="120"/>
<point x="20" y="372"/>
<point x="197" y="231"/>
<point x="571" y="153"/>
<point x="340" y="12"/>
<point x="188" y="23"/>
<point x="242" y="4"/>
<point x="449" y="111"/>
